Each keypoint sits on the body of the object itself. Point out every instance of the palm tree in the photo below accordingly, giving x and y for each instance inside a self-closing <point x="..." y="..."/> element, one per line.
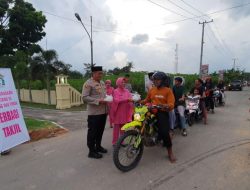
<point x="47" y="58"/>
<point x="31" y="64"/>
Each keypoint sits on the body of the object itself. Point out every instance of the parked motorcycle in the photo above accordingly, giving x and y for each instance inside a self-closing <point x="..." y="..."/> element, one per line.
<point x="193" y="111"/>
<point x="142" y="131"/>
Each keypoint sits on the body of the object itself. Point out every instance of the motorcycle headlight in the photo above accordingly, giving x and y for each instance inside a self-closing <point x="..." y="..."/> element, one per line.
<point x="137" y="117"/>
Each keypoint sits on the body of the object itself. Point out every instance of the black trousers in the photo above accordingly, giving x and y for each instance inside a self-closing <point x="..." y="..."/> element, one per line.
<point x="163" y="128"/>
<point x="96" y="125"/>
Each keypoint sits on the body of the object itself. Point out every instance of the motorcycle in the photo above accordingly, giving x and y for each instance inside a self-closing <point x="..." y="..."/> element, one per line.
<point x="193" y="111"/>
<point x="216" y="95"/>
<point x="142" y="131"/>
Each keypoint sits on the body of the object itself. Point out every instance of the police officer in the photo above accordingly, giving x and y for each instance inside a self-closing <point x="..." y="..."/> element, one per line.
<point x="94" y="93"/>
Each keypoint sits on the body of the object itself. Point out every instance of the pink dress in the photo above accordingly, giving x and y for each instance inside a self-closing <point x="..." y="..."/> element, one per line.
<point x="121" y="109"/>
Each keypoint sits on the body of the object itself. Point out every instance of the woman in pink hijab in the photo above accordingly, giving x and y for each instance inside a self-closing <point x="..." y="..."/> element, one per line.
<point x="122" y="108"/>
<point x="109" y="91"/>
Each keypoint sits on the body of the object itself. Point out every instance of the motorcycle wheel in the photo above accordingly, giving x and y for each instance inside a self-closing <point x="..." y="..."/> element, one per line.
<point x="126" y="156"/>
<point x="190" y="120"/>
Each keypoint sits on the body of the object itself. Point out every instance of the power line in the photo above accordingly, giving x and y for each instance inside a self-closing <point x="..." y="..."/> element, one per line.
<point x="213" y="43"/>
<point x="167" y="8"/>
<point x="223" y="41"/>
<point x="181" y="8"/>
<point x="173" y="22"/>
<point x="194" y="8"/>
<point x="219" y="42"/>
<point x="212" y="13"/>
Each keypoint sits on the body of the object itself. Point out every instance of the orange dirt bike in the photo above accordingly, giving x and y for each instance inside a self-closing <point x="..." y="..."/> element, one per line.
<point x="142" y="131"/>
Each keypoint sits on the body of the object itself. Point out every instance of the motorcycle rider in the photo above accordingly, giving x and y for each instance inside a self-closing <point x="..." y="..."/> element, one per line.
<point x="201" y="90"/>
<point x="178" y="91"/>
<point x="162" y="95"/>
<point x="209" y="88"/>
<point x="220" y="86"/>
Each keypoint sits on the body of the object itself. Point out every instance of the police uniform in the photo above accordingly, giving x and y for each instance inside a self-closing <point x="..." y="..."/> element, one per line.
<point x="92" y="92"/>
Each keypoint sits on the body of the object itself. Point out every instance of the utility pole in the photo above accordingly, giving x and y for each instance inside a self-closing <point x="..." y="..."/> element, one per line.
<point x="202" y="41"/>
<point x="176" y="59"/>
<point x="89" y="35"/>
<point x="234" y="59"/>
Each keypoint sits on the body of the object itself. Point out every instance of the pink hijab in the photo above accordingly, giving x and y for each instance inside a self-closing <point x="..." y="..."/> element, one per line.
<point x="122" y="109"/>
<point x="109" y="88"/>
<point x="119" y="83"/>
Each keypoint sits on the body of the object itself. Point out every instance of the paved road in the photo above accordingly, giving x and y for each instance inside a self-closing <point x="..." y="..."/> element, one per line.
<point x="216" y="156"/>
<point x="74" y="120"/>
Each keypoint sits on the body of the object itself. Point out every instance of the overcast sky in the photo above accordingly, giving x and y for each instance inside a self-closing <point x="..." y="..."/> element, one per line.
<point x="146" y="34"/>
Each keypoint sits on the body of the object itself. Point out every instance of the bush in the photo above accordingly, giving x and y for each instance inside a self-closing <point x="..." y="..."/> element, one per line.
<point x="24" y="84"/>
<point x="36" y="85"/>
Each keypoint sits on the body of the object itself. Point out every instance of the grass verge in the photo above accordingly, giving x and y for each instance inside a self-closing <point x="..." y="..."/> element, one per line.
<point x="42" y="129"/>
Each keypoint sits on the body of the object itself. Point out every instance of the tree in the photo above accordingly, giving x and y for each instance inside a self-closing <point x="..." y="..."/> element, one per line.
<point x="233" y="74"/>
<point x="126" y="69"/>
<point x="20" y="69"/>
<point x="75" y="75"/>
<point x="34" y="48"/>
<point x="47" y="62"/>
<point x="20" y="26"/>
<point x="87" y="68"/>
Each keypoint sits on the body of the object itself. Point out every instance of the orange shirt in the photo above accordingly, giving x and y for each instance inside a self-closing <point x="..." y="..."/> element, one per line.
<point x="163" y="95"/>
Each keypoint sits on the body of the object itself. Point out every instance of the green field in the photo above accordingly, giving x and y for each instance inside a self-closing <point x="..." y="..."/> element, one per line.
<point x="136" y="79"/>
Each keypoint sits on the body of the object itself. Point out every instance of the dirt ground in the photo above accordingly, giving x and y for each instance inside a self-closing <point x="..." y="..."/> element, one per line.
<point x="36" y="135"/>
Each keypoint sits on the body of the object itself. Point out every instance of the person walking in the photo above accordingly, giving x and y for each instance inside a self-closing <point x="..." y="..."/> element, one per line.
<point x="121" y="109"/>
<point x="93" y="94"/>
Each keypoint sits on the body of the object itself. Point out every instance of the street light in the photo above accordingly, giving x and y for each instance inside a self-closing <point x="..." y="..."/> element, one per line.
<point x="90" y="35"/>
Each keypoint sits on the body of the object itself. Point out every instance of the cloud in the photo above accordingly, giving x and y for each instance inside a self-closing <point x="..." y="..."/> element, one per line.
<point x="241" y="12"/>
<point x="120" y="34"/>
<point x="139" y="39"/>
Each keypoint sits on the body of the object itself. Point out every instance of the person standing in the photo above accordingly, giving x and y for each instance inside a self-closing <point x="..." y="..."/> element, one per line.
<point x="149" y="83"/>
<point x="178" y="91"/>
<point x="121" y="109"/>
<point x="93" y="94"/>
<point x="127" y="84"/>
<point x="109" y="90"/>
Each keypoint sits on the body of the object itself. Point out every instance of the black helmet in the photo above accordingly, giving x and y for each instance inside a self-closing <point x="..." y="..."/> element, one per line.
<point x="160" y="76"/>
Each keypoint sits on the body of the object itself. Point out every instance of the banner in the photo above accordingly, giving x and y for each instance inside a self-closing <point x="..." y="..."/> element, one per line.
<point x="221" y="74"/>
<point x="13" y="129"/>
<point x="204" y="71"/>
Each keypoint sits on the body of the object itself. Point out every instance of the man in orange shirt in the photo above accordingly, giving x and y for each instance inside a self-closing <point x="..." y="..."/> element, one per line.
<point x="162" y="95"/>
